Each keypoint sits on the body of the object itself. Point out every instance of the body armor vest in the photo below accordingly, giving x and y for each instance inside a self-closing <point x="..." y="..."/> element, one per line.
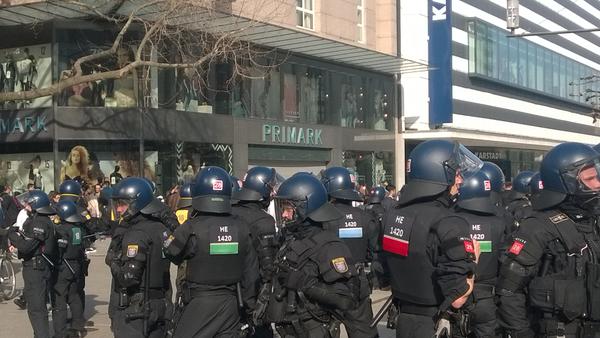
<point x="221" y="245"/>
<point x="73" y="235"/>
<point x="567" y="281"/>
<point x="488" y="230"/>
<point x="159" y="266"/>
<point x="353" y="230"/>
<point x="406" y="237"/>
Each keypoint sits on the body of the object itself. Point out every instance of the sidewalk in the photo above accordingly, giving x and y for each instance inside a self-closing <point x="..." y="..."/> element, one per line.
<point x="15" y="323"/>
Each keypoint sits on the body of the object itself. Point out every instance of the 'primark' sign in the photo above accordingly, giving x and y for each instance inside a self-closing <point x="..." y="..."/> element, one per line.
<point x="275" y="133"/>
<point x="18" y="125"/>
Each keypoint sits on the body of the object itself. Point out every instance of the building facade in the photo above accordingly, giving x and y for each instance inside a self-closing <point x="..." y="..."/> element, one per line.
<point x="509" y="99"/>
<point x="333" y="101"/>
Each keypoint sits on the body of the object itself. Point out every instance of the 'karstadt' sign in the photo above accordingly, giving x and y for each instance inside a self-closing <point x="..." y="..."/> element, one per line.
<point x="274" y="133"/>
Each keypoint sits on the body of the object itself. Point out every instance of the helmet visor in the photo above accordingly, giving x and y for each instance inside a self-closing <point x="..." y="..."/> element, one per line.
<point x="286" y="212"/>
<point x="464" y="161"/>
<point x="275" y="183"/>
<point x="583" y="176"/>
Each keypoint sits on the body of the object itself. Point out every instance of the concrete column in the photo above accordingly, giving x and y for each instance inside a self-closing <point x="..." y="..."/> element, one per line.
<point x="240" y="159"/>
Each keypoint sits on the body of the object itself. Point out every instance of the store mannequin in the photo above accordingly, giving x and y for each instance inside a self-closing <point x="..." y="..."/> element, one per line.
<point x="124" y="88"/>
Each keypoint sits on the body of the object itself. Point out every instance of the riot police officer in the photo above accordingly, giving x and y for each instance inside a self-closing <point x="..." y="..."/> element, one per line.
<point x="375" y="208"/>
<point x="551" y="266"/>
<point x="430" y="254"/>
<point x="359" y="231"/>
<point x="185" y="203"/>
<point x="36" y="245"/>
<point x="68" y="274"/>
<point x="315" y="283"/>
<point x="253" y="199"/>
<point x="373" y="203"/>
<point x="139" y="269"/>
<point x="70" y="190"/>
<point x="475" y="205"/>
<point x="221" y="262"/>
<point x="108" y="213"/>
<point x="517" y="199"/>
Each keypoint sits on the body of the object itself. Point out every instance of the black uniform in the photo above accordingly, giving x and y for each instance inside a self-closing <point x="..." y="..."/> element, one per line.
<point x="219" y="257"/>
<point x="37" y="248"/>
<point x="264" y="241"/>
<point x="554" y="256"/>
<point x="490" y="232"/>
<point x="379" y="275"/>
<point x="359" y="231"/>
<point x="140" y="270"/>
<point x="430" y="255"/>
<point x="68" y="277"/>
<point x="315" y="284"/>
<point x="518" y="207"/>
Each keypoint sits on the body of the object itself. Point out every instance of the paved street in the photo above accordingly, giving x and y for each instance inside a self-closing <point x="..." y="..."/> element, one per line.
<point x="14" y="322"/>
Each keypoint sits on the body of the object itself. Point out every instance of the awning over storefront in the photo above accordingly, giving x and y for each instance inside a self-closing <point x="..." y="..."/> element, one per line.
<point x="270" y="35"/>
<point x="480" y="139"/>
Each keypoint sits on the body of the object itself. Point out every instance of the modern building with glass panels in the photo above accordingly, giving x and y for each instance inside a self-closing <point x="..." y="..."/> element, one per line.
<point x="508" y="98"/>
<point x="331" y="99"/>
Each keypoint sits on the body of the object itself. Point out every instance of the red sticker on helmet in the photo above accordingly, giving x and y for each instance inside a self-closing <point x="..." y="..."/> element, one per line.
<point x="218" y="185"/>
<point x="487" y="185"/>
<point x="469" y="248"/>
<point x="516" y="247"/>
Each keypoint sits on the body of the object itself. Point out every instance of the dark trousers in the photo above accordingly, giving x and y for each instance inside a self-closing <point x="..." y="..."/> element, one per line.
<point x="36" y="278"/>
<point x="124" y="326"/>
<point x="311" y="329"/>
<point x="357" y="321"/>
<point x="263" y="331"/>
<point x="208" y="316"/>
<point x="483" y="318"/>
<point x="410" y="325"/>
<point x="68" y="288"/>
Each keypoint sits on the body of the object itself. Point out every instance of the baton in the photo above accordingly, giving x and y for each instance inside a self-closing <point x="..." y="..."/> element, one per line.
<point x="384" y="309"/>
<point x="69" y="266"/>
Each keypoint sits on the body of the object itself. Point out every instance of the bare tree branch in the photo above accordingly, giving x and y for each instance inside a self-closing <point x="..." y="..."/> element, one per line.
<point x="159" y="33"/>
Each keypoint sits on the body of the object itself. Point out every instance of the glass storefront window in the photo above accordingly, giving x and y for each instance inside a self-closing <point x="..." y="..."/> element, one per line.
<point x="25" y="68"/>
<point x="21" y="171"/>
<point x="371" y="168"/>
<point x="524" y="64"/>
<point x="178" y="163"/>
<point x="75" y="43"/>
<point x="93" y="162"/>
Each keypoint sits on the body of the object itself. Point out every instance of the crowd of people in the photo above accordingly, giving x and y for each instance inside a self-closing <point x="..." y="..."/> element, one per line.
<point x="462" y="255"/>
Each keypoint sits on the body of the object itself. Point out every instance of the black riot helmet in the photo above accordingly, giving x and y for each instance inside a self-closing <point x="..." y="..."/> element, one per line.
<point x="70" y="190"/>
<point x="376" y="195"/>
<point x="211" y="191"/>
<point x="67" y="212"/>
<point x="137" y="194"/>
<point x="563" y="171"/>
<point x="258" y="185"/>
<point x="495" y="175"/>
<point x="38" y="201"/>
<point x="105" y="195"/>
<point x="521" y="182"/>
<point x="339" y="184"/>
<point x="474" y="194"/>
<point x="536" y="184"/>
<point x="185" y="196"/>
<point x="306" y="195"/>
<point x="432" y="167"/>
